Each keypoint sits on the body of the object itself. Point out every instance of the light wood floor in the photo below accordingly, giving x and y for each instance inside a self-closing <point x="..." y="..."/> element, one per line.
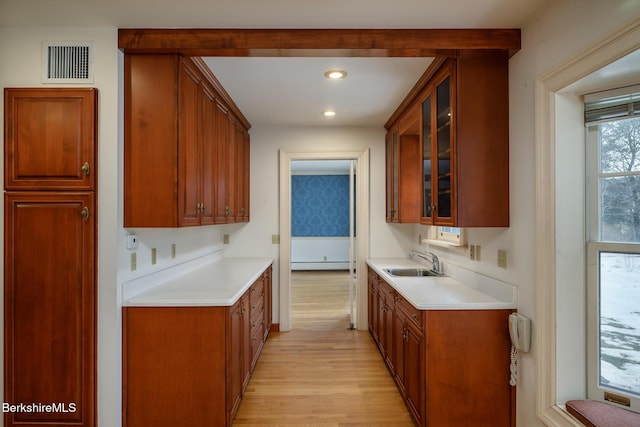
<point x="321" y="373"/>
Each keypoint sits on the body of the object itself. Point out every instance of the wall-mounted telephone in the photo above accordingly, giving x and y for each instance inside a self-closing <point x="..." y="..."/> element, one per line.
<point x="520" y="331"/>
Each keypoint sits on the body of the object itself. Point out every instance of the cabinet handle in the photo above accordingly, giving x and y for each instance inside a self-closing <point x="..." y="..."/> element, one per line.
<point x="227" y="211"/>
<point x="85" y="213"/>
<point x="86" y="169"/>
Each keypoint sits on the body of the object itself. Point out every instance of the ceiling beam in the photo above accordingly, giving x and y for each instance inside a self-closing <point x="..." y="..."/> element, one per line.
<point x="318" y="42"/>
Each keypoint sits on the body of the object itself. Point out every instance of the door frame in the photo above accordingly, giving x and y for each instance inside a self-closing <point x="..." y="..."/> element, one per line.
<point x="362" y="228"/>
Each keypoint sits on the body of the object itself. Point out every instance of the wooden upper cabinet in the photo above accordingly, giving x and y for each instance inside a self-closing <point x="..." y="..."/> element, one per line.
<point x="50" y="138"/>
<point x="462" y="116"/>
<point x="175" y="143"/>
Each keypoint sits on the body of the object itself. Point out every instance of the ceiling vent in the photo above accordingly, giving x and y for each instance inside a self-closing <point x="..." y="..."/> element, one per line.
<point x="67" y="62"/>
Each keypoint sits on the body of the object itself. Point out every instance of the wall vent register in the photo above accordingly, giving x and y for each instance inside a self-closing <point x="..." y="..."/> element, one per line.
<point x="67" y="62"/>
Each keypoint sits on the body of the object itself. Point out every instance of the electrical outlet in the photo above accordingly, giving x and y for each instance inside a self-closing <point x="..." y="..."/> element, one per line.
<point x="134" y="261"/>
<point x="225" y="239"/>
<point x="154" y="256"/>
<point x="477" y="252"/>
<point x="275" y="239"/>
<point x="173" y="250"/>
<point x="502" y="258"/>
<point x="472" y="252"/>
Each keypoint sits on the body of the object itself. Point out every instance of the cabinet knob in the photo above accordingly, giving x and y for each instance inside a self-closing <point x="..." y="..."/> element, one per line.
<point x="86" y="169"/>
<point x="85" y="213"/>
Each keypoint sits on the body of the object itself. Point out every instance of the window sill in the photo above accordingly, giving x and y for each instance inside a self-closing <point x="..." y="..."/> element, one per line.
<point x="445" y="244"/>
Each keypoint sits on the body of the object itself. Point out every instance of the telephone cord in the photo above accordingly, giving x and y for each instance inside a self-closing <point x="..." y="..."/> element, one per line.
<point x="513" y="367"/>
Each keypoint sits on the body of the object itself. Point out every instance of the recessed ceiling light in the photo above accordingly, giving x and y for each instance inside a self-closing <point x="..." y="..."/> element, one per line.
<point x="335" y="74"/>
<point x="328" y="113"/>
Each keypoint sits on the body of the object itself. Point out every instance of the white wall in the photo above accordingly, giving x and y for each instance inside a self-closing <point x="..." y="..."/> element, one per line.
<point x="561" y="31"/>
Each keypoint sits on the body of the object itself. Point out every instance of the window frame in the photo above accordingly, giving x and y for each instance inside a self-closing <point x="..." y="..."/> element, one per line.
<point x="594" y="247"/>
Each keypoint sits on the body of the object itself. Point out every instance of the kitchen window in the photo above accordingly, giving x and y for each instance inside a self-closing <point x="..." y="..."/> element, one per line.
<point x="612" y="122"/>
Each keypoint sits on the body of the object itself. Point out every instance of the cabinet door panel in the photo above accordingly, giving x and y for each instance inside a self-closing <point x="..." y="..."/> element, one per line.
<point x="189" y="158"/>
<point x="413" y="375"/>
<point x="235" y="357"/>
<point x="50" y="306"/>
<point x="50" y="134"/>
<point x="207" y="148"/>
<point x="232" y="166"/>
<point x="222" y="136"/>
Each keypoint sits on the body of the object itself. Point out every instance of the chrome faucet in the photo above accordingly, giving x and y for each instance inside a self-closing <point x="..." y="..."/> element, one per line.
<point x="435" y="262"/>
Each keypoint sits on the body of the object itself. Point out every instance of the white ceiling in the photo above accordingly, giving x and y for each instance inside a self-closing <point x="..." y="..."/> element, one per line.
<point x="290" y="91"/>
<point x="294" y="91"/>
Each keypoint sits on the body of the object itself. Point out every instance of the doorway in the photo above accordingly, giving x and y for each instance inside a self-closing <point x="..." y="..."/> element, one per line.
<point x="323" y="242"/>
<point x="359" y="224"/>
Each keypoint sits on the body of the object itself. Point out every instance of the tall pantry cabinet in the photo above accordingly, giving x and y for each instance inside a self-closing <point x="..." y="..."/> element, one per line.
<point x="50" y="256"/>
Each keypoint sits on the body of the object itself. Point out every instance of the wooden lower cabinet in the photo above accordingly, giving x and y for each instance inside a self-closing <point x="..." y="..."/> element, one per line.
<point x="451" y="366"/>
<point x="50" y="308"/>
<point x="189" y="366"/>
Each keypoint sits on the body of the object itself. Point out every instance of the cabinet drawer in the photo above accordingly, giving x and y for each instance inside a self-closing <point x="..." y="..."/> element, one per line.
<point x="257" y="290"/>
<point x="414" y="314"/>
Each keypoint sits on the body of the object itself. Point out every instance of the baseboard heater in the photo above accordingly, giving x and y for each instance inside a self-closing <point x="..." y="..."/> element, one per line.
<point x="320" y="253"/>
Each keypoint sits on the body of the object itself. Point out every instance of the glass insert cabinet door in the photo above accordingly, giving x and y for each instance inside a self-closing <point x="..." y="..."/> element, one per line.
<point x="443" y="102"/>
<point x="426" y="158"/>
<point x="436" y="158"/>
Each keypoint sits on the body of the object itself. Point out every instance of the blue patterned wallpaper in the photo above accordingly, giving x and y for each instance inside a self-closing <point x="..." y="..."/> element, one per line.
<point x="319" y="205"/>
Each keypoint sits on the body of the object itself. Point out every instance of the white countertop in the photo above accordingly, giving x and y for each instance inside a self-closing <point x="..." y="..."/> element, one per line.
<point x="459" y="291"/>
<point x="220" y="282"/>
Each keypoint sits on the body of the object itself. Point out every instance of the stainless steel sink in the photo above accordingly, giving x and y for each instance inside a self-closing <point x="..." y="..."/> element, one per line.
<point x="412" y="272"/>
